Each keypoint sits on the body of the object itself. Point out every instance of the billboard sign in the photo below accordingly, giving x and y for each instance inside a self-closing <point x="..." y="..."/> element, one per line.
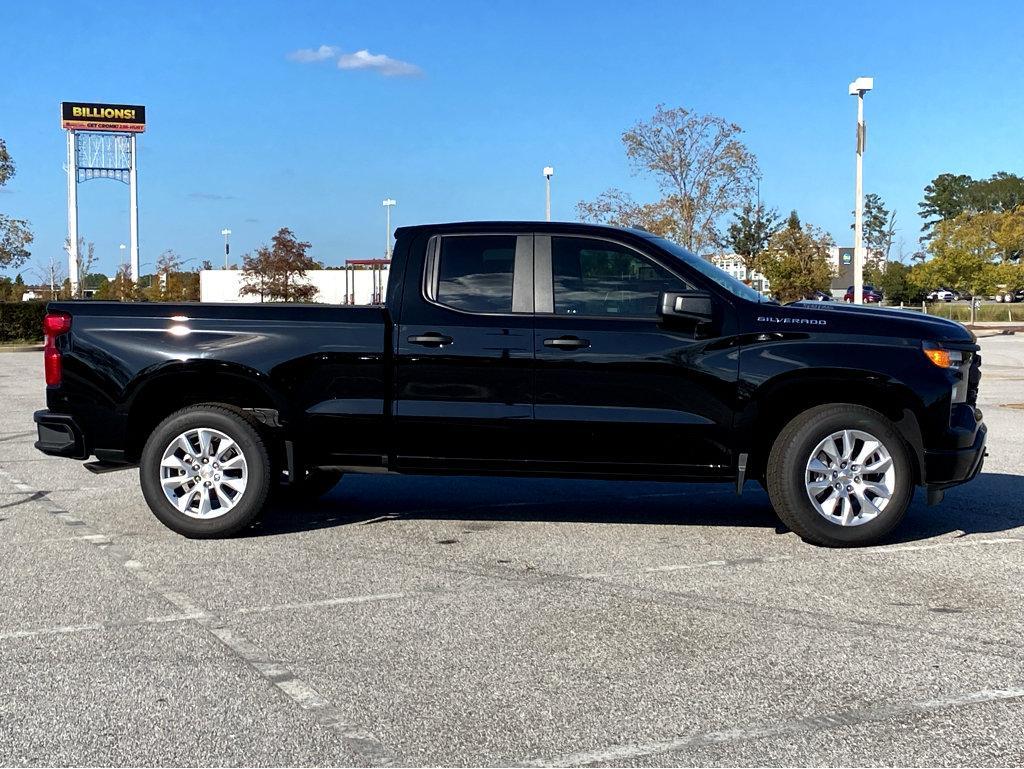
<point x="88" y="116"/>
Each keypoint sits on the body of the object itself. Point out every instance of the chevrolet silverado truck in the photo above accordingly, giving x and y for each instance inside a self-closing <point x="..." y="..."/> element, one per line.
<point x="521" y="349"/>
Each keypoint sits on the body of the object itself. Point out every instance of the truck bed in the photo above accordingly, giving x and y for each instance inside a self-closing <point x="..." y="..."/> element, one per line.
<point x="120" y="358"/>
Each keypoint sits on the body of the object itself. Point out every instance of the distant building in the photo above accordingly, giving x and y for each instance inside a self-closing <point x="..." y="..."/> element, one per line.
<point x="841" y="259"/>
<point x="360" y="281"/>
<point x="733" y="264"/>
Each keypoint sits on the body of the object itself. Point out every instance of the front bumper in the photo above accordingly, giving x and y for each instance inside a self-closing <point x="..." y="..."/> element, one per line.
<point x="59" y="435"/>
<point x="943" y="469"/>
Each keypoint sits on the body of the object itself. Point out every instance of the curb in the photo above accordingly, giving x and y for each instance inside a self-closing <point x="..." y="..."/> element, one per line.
<point x="988" y="332"/>
<point x="21" y="348"/>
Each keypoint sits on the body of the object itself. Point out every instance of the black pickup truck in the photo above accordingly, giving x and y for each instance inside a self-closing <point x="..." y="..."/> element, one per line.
<point x="522" y="348"/>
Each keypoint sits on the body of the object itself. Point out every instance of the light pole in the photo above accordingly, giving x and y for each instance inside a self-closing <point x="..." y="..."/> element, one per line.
<point x="549" y="171"/>
<point x="388" y="204"/>
<point x="227" y="248"/>
<point x="858" y="88"/>
<point x="122" y="247"/>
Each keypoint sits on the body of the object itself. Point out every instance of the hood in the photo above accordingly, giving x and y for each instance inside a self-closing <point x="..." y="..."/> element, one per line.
<point x="857" y="319"/>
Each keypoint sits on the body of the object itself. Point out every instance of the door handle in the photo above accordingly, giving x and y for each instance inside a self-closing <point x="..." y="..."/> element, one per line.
<point x="431" y="339"/>
<point x="567" y="343"/>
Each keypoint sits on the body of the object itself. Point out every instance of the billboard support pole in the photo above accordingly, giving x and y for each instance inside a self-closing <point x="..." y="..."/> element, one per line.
<point x="72" y="213"/>
<point x="133" y="191"/>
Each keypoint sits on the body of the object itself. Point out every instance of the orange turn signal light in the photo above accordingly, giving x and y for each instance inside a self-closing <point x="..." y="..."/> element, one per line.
<point x="940" y="358"/>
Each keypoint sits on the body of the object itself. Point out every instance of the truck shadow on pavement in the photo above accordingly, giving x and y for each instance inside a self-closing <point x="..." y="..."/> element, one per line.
<point x="989" y="504"/>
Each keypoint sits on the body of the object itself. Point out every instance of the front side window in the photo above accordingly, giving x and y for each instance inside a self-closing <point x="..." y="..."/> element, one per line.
<point x="475" y="272"/>
<point x="599" y="278"/>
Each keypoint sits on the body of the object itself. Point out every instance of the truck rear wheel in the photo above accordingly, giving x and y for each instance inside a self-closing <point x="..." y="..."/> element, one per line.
<point x="838" y="475"/>
<point x="205" y="472"/>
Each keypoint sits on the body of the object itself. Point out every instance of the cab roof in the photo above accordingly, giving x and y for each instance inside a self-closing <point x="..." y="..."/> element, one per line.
<point x="525" y="226"/>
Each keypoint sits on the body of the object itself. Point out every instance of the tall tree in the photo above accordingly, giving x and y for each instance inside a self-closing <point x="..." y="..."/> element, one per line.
<point x="94" y="281"/>
<point x="1000" y="192"/>
<point x="278" y="273"/>
<point x="618" y="208"/>
<point x="748" y="233"/>
<point x="949" y="195"/>
<point x="702" y="171"/>
<point x="945" y="197"/>
<point x="51" y="274"/>
<point x="86" y="260"/>
<point x="974" y="252"/>
<point x="167" y="264"/>
<point x="796" y="260"/>
<point x="183" y="287"/>
<point x="879" y="227"/>
<point x="895" y="282"/>
<point x="15" y="234"/>
<point x="122" y="288"/>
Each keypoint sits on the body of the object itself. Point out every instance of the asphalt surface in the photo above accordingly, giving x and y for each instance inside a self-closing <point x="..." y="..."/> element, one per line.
<point x="494" y="621"/>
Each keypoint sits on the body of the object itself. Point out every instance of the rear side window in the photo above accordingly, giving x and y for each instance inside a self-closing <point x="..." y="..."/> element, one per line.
<point x="599" y="278"/>
<point x="474" y="272"/>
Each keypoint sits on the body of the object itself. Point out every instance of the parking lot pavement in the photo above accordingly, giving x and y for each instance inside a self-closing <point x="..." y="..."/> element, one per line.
<point x="484" y="621"/>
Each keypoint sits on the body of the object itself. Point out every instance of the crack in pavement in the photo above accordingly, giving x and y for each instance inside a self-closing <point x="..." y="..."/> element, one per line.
<point x="617" y="754"/>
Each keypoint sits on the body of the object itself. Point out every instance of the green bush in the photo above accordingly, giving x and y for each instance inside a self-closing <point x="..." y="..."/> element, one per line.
<point x="987" y="312"/>
<point x="21" y="321"/>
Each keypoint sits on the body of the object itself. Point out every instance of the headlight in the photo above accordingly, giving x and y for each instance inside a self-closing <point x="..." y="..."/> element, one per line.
<point x="953" y="361"/>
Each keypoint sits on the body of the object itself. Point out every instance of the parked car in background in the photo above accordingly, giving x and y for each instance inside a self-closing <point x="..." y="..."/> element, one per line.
<point x="1010" y="296"/>
<point x="944" y="295"/>
<point x="871" y="295"/>
<point x="819" y="296"/>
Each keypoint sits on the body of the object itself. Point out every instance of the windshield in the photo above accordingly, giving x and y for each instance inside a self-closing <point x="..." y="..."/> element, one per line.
<point x="710" y="271"/>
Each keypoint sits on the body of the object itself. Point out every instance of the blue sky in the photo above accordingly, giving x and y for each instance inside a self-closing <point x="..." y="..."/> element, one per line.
<point x="482" y="96"/>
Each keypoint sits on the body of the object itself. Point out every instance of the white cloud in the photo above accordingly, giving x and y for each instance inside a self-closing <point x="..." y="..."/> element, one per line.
<point x="378" y="62"/>
<point x="308" y="55"/>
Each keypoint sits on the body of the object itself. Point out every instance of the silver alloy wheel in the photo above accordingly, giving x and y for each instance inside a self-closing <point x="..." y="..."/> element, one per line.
<point x="203" y="473"/>
<point x="850" y="477"/>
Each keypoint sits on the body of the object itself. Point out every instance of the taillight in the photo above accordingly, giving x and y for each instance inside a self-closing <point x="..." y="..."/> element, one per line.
<point x="54" y="324"/>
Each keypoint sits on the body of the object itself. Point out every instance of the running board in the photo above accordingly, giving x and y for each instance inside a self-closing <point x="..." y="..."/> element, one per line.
<point x="101" y="466"/>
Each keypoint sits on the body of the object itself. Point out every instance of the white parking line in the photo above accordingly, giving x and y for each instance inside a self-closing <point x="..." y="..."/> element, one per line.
<point x="616" y="754"/>
<point x="69" y="629"/>
<point x="192" y="613"/>
<point x="883" y="550"/>
<point x="359" y="741"/>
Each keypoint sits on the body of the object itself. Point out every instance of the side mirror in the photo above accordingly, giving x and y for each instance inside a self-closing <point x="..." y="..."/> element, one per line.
<point x="687" y="304"/>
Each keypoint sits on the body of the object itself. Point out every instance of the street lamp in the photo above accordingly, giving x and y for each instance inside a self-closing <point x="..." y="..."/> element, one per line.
<point x="227" y="249"/>
<point x="388" y="204"/>
<point x="549" y="171"/>
<point x="858" y="88"/>
<point x="122" y="247"/>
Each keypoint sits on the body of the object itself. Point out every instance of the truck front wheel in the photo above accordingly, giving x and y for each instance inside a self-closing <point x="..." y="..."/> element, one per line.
<point x="205" y="472"/>
<point x="838" y="475"/>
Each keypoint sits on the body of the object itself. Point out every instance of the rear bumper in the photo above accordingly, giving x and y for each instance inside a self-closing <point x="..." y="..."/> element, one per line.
<point x="59" y="435"/>
<point x="951" y="468"/>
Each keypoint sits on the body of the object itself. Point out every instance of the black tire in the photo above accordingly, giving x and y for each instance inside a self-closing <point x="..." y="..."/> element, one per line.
<point x="787" y="465"/>
<point x="239" y="429"/>
<point x="317" y="482"/>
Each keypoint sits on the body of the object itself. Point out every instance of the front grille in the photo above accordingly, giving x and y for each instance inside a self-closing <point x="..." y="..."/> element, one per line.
<point x="973" y="379"/>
